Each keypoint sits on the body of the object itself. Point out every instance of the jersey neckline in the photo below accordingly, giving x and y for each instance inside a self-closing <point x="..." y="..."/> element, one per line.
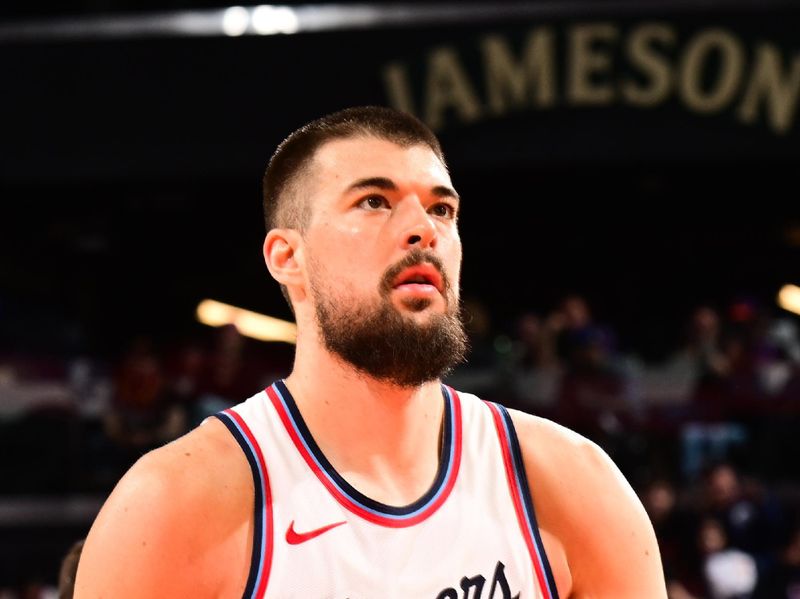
<point x="350" y="497"/>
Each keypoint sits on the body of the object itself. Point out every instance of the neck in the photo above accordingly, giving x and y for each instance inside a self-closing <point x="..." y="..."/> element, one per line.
<point x="382" y="438"/>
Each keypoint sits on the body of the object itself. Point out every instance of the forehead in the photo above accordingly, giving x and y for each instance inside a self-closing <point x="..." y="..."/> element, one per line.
<point x="340" y="162"/>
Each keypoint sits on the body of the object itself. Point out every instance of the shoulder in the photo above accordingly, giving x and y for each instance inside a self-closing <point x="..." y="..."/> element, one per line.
<point x="178" y="513"/>
<point x="583" y="500"/>
<point x="548" y="448"/>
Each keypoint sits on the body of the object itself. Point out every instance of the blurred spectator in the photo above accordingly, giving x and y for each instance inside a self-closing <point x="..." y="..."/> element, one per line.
<point x="537" y="370"/>
<point x="676" y="590"/>
<point x="783" y="579"/>
<point x="232" y="371"/>
<point x="704" y="344"/>
<point x="90" y="386"/>
<point x="722" y="369"/>
<point x="778" y="357"/>
<point x="751" y="359"/>
<point x="709" y="361"/>
<point x="751" y="518"/>
<point x="482" y="376"/>
<point x="32" y="590"/>
<point x="674" y="531"/>
<point x="141" y="417"/>
<point x="729" y="572"/>
<point x="594" y="392"/>
<point x="187" y="370"/>
<point x="226" y="366"/>
<point x="572" y="322"/>
<point x="680" y="387"/>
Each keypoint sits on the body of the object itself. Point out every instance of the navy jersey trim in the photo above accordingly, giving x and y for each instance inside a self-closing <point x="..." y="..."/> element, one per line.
<point x="522" y="482"/>
<point x="446" y="461"/>
<point x="255" y="578"/>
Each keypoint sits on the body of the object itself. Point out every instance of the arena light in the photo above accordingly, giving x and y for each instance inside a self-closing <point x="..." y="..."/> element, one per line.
<point x="235" y="21"/>
<point x="251" y="324"/>
<point x="276" y="19"/>
<point x="789" y="298"/>
<point x="269" y="20"/>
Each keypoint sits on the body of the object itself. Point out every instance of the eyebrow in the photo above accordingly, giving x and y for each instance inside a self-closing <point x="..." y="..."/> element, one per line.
<point x="387" y="184"/>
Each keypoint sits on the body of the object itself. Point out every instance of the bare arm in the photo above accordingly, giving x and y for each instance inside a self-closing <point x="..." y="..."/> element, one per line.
<point x="177" y="524"/>
<point x="583" y="500"/>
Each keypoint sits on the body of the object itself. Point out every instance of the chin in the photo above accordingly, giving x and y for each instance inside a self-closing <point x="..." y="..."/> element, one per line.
<point x="417" y="304"/>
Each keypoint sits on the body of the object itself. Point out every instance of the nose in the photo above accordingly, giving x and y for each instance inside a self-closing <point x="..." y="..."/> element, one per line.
<point x="418" y="228"/>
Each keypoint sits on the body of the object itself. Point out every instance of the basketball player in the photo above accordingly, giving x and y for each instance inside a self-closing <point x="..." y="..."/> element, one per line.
<point x="361" y="475"/>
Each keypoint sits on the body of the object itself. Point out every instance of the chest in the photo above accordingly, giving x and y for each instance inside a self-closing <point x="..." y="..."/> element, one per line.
<point x="472" y="535"/>
<point x="469" y="548"/>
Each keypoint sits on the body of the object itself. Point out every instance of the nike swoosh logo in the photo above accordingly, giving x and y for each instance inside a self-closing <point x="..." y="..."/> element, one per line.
<point x="295" y="538"/>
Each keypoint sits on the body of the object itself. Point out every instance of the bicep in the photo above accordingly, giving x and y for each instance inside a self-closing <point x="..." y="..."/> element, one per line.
<point x="617" y="554"/>
<point x="584" y="501"/>
<point x="133" y="547"/>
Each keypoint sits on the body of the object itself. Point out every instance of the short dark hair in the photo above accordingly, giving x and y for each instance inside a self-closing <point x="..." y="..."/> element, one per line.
<point x="294" y="154"/>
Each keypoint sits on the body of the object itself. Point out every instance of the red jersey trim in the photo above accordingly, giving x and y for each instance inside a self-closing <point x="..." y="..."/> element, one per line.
<point x="259" y="574"/>
<point x="516" y="486"/>
<point x="371" y="510"/>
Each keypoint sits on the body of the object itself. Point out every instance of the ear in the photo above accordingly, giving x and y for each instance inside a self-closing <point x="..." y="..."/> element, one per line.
<point x="283" y="256"/>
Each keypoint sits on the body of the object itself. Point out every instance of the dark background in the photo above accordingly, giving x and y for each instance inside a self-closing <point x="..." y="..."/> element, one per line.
<point x="132" y="166"/>
<point x="644" y="244"/>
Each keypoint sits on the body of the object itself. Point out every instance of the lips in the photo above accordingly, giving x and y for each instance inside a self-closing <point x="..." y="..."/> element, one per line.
<point x="420" y="274"/>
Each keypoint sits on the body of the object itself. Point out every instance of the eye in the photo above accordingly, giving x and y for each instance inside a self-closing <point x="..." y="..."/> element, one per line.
<point x="374" y="202"/>
<point x="443" y="210"/>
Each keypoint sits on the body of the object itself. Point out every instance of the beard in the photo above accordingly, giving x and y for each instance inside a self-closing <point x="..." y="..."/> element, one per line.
<point x="380" y="342"/>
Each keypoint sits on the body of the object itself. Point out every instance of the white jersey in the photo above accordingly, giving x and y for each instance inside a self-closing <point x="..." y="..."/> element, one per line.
<point x="473" y="535"/>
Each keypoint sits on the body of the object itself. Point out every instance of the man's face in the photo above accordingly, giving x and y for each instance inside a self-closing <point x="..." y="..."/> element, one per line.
<point x="383" y="258"/>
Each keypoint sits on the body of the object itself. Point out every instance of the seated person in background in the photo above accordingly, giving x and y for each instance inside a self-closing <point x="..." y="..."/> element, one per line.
<point x="141" y="418"/>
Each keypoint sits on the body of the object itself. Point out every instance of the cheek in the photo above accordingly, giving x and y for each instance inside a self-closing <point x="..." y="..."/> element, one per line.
<point x="346" y="237"/>
<point x="332" y="245"/>
<point x="341" y="258"/>
<point x="454" y="256"/>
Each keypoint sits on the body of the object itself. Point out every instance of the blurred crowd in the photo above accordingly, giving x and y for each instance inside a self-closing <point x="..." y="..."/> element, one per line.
<point x="729" y="388"/>
<point x="730" y="537"/>
<point x="82" y="421"/>
<point x="706" y="434"/>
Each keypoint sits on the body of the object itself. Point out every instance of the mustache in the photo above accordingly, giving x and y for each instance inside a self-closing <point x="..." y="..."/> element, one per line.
<point x="414" y="258"/>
